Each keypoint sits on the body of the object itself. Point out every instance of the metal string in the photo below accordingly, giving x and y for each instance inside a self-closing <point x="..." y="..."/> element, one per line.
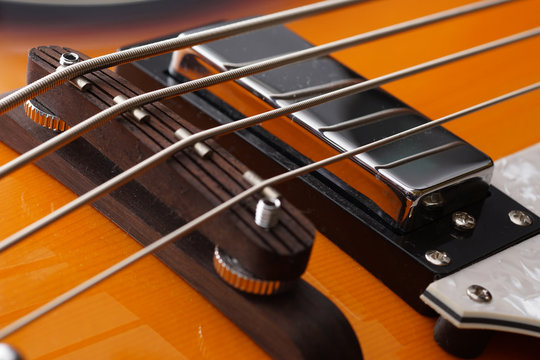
<point x="172" y="91"/>
<point x="162" y="155"/>
<point x="192" y="225"/>
<point x="165" y="46"/>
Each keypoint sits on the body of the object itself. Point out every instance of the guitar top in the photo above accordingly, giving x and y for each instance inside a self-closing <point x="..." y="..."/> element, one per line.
<point x="147" y="311"/>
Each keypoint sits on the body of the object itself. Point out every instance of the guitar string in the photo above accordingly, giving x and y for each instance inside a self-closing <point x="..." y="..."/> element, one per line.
<point x="165" y="46"/>
<point x="535" y="87"/>
<point x="162" y="155"/>
<point x="192" y="225"/>
<point x="87" y="125"/>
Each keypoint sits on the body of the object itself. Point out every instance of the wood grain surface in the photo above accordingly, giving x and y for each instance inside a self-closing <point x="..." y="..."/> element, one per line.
<point x="149" y="312"/>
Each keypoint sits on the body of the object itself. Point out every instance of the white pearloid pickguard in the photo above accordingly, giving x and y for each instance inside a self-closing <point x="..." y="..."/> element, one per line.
<point x="511" y="276"/>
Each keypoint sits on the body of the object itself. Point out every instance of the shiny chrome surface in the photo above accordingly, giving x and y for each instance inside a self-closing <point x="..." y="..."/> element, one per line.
<point x="412" y="168"/>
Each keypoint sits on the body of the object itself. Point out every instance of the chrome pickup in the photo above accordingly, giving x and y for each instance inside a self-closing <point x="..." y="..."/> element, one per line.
<point x="407" y="183"/>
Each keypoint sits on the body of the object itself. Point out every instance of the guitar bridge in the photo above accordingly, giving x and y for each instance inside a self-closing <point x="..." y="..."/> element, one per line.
<point x="236" y="260"/>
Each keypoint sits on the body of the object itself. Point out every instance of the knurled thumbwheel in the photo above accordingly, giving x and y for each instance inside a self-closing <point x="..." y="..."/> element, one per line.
<point x="41" y="116"/>
<point x="232" y="273"/>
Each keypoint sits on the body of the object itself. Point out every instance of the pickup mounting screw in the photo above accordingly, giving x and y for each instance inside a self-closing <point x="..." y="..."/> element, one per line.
<point x="463" y="221"/>
<point x="433" y="200"/>
<point x="479" y="294"/>
<point x="439" y="258"/>
<point x="520" y="218"/>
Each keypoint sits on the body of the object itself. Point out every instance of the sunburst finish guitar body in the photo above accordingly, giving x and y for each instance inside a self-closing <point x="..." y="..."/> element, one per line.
<point x="147" y="311"/>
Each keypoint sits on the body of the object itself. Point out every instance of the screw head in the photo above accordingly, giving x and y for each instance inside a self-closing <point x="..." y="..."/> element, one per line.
<point x="520" y="218"/>
<point x="439" y="258"/>
<point x="463" y="221"/>
<point x="479" y="294"/>
<point x="69" y="58"/>
<point x="433" y="200"/>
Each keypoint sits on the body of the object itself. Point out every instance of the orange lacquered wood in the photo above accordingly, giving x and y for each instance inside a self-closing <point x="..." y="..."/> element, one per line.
<point x="148" y="312"/>
<point x="498" y="131"/>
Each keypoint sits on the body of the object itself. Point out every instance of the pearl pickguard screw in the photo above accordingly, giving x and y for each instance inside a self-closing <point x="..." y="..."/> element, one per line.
<point x="479" y="294"/>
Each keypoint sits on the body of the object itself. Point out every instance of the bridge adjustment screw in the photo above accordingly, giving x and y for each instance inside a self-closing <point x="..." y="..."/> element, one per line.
<point x="439" y="258"/>
<point x="479" y="294"/>
<point x="520" y="218"/>
<point x="267" y="213"/>
<point x="232" y="272"/>
<point x="463" y="221"/>
<point x="71" y="58"/>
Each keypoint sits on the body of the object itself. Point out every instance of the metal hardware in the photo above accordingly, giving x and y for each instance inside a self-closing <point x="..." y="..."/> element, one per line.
<point x="267" y="213"/>
<point x="463" y="221"/>
<point x="479" y="294"/>
<point x="268" y="192"/>
<point x="138" y="113"/>
<point x="71" y="58"/>
<point x="201" y="148"/>
<point x="433" y="200"/>
<point x="439" y="258"/>
<point x="368" y="119"/>
<point x="36" y="111"/>
<point x="230" y="270"/>
<point x="7" y="352"/>
<point x="520" y="218"/>
<point x="462" y="183"/>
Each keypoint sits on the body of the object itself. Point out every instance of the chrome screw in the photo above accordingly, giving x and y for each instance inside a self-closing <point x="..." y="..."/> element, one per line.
<point x="267" y="213"/>
<point x="520" y="218"/>
<point x="433" y="200"/>
<point x="463" y="221"/>
<point x="479" y="294"/>
<point x="439" y="258"/>
<point x="71" y="58"/>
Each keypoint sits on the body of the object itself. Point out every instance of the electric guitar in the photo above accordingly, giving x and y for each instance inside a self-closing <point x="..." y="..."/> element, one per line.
<point x="147" y="311"/>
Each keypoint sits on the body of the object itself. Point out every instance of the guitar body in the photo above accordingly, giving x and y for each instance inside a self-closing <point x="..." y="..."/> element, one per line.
<point x="147" y="311"/>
